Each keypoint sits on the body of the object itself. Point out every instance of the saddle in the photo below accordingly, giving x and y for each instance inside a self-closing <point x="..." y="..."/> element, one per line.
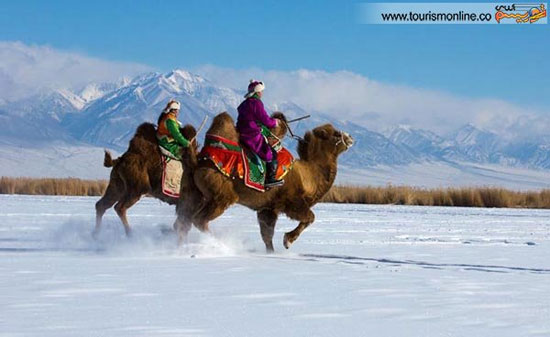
<point x="233" y="160"/>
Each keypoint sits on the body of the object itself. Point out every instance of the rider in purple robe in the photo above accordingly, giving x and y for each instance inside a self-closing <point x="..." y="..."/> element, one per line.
<point x="251" y="115"/>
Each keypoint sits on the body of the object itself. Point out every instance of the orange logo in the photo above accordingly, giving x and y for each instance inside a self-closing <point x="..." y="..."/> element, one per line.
<point x="532" y="13"/>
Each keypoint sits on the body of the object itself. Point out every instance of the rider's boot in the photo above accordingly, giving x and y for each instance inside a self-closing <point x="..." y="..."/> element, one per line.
<point x="271" y="180"/>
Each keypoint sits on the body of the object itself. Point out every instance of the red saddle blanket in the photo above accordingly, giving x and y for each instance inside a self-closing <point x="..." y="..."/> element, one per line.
<point x="232" y="160"/>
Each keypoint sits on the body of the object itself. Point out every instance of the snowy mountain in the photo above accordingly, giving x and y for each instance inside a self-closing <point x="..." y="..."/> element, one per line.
<point x="94" y="91"/>
<point x="424" y="144"/>
<point x="471" y="145"/>
<point x="107" y="114"/>
<point x="112" y="119"/>
<point x="38" y="118"/>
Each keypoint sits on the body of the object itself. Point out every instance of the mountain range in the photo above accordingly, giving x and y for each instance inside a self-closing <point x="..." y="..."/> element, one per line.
<point x="105" y="115"/>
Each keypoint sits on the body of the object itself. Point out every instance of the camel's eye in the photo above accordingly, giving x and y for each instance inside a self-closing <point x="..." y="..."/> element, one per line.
<point x="337" y="134"/>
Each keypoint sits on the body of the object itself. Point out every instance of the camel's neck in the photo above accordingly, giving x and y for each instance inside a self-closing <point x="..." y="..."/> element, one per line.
<point x="325" y="171"/>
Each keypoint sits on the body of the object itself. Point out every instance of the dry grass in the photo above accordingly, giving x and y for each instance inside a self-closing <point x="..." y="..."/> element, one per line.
<point x="398" y="195"/>
<point x="465" y="197"/>
<point x="52" y="186"/>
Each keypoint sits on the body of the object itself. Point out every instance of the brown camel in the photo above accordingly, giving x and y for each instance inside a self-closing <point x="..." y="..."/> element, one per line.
<point x="210" y="193"/>
<point x="138" y="172"/>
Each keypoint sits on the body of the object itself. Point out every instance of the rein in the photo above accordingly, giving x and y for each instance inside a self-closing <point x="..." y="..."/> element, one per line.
<point x="342" y="141"/>
<point x="292" y="135"/>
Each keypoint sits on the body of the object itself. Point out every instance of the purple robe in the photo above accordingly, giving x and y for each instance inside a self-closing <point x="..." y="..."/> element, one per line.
<point x="251" y="112"/>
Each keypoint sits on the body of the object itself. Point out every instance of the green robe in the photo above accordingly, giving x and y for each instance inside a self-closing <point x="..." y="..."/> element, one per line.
<point x="174" y="143"/>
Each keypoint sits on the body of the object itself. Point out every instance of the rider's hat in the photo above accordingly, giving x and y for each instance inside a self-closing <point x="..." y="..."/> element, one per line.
<point x="173" y="105"/>
<point x="254" y="87"/>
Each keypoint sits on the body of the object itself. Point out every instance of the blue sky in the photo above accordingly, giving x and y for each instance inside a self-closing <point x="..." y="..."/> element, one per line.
<point x="502" y="61"/>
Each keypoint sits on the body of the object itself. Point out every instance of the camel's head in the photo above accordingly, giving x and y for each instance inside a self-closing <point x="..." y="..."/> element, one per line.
<point x="282" y="128"/>
<point x="325" y="138"/>
<point x="189" y="132"/>
<point x="190" y="153"/>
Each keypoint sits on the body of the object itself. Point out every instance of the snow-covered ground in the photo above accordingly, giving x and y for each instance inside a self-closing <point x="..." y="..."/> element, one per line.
<point x="359" y="270"/>
<point x="57" y="161"/>
<point x="443" y="175"/>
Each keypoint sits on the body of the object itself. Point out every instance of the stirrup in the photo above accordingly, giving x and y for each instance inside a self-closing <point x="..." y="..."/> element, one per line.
<point x="274" y="183"/>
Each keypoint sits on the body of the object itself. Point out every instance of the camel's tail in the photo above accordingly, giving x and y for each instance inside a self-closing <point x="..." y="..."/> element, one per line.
<point x="108" y="161"/>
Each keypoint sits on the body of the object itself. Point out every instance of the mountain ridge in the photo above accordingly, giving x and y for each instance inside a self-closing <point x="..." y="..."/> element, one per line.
<point x="107" y="114"/>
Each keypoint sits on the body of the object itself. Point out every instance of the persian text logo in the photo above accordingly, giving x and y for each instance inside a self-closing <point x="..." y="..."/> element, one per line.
<point x="451" y="13"/>
<point x="522" y="13"/>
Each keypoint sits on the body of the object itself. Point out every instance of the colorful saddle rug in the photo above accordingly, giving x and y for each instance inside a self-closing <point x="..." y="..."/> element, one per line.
<point x="172" y="170"/>
<point x="235" y="161"/>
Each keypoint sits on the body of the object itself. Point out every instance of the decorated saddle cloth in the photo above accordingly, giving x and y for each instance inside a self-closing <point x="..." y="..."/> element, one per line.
<point x="172" y="170"/>
<point x="235" y="161"/>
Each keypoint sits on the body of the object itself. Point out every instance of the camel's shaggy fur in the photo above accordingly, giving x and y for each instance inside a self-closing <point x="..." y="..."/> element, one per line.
<point x="208" y="193"/>
<point x="138" y="172"/>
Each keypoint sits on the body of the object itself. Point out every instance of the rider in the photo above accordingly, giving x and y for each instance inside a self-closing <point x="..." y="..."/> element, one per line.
<point x="251" y="115"/>
<point x="168" y="131"/>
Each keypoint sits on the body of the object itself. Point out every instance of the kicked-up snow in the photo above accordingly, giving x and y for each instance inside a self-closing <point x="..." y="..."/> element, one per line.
<point x="359" y="270"/>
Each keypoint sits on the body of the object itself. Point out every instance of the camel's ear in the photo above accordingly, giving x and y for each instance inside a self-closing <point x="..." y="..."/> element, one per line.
<point x="321" y="133"/>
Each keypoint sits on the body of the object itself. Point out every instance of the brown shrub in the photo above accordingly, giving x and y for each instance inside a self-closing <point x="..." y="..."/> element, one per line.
<point x="52" y="186"/>
<point x="399" y="195"/>
<point x="464" y="197"/>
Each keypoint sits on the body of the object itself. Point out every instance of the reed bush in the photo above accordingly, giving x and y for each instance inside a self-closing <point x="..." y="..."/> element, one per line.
<point x="390" y="194"/>
<point x="52" y="186"/>
<point x="462" y="196"/>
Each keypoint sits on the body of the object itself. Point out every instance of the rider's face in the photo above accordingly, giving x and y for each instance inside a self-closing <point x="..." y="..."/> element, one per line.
<point x="260" y="94"/>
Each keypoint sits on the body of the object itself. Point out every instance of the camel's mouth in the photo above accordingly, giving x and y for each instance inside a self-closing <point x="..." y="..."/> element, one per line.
<point x="347" y="140"/>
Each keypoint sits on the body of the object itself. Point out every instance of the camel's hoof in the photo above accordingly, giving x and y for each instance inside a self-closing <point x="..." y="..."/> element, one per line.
<point x="183" y="241"/>
<point x="286" y="241"/>
<point x="95" y="234"/>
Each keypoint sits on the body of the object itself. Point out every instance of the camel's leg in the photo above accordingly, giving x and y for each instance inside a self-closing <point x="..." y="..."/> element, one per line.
<point x="305" y="220"/>
<point x="218" y="196"/>
<point x="213" y="209"/>
<point x="122" y="206"/>
<point x="182" y="227"/>
<point x="111" y="196"/>
<point x="267" y="219"/>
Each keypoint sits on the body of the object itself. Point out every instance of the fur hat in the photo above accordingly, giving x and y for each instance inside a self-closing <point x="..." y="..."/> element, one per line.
<point x="254" y="87"/>
<point x="172" y="105"/>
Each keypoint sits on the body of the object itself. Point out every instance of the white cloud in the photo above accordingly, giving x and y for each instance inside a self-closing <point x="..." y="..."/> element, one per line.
<point x="378" y="105"/>
<point x="27" y="69"/>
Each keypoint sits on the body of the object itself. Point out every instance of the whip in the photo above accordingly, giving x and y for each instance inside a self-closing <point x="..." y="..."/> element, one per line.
<point x="205" y="119"/>
<point x="298" y="119"/>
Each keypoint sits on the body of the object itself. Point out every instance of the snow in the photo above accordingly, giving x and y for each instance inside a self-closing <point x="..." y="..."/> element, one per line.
<point x="76" y="101"/>
<point x="55" y="160"/>
<point x="359" y="270"/>
<point x="444" y="175"/>
<point x="91" y="92"/>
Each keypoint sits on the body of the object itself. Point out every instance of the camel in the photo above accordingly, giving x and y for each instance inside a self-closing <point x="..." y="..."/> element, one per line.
<point x="138" y="172"/>
<point x="208" y="193"/>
